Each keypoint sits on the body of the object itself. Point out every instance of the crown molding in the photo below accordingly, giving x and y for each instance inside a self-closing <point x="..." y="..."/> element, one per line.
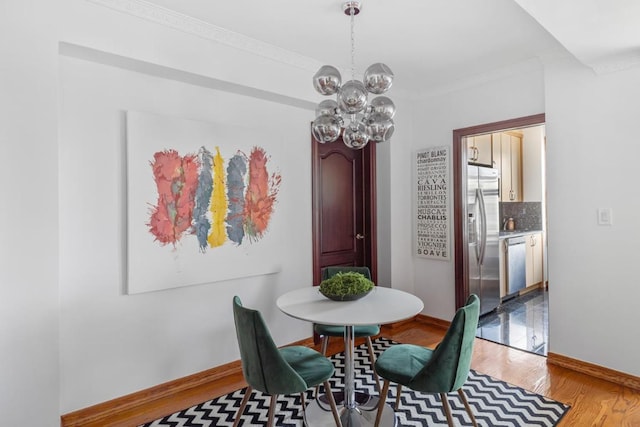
<point x="187" y="24"/>
<point x="615" y="63"/>
<point x="603" y="64"/>
<point x="530" y="65"/>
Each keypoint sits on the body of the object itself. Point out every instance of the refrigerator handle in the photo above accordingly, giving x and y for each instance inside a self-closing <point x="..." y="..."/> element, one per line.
<point x="483" y="225"/>
<point x="474" y="228"/>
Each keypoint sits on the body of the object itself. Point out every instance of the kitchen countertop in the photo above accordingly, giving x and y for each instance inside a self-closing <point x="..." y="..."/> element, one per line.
<point x="516" y="233"/>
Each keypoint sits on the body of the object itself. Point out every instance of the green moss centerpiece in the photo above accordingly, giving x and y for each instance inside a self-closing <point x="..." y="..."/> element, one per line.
<point x="346" y="286"/>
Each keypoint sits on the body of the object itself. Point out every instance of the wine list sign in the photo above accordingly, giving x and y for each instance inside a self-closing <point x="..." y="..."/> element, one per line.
<point x="431" y="203"/>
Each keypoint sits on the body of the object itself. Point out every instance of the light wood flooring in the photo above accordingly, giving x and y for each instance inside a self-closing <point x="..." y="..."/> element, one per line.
<point x="594" y="402"/>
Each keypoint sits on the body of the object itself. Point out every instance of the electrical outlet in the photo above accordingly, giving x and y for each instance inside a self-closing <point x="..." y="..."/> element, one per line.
<point x="605" y="216"/>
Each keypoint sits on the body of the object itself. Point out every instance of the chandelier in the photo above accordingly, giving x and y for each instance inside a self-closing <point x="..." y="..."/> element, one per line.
<point x="352" y="114"/>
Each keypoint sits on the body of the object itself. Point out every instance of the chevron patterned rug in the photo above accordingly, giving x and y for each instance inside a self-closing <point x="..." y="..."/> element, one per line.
<point x="494" y="403"/>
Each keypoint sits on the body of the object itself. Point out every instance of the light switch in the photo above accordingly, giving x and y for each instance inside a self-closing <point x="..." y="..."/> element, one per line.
<point x="605" y="216"/>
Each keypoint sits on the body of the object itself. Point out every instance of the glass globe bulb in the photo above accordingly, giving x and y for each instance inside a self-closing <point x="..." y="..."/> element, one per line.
<point x="328" y="107"/>
<point x="327" y="80"/>
<point x="352" y="97"/>
<point x="379" y="128"/>
<point x="378" y="78"/>
<point x="383" y="106"/>
<point x="355" y="136"/>
<point x="326" y="128"/>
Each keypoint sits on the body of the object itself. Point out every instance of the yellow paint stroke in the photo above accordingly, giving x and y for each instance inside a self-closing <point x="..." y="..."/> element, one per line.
<point x="218" y="207"/>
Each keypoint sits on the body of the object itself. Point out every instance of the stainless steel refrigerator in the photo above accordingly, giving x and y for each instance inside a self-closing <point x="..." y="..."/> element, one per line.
<point x="483" y="235"/>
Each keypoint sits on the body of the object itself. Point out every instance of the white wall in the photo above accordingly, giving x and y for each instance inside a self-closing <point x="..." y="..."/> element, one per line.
<point x="591" y="154"/>
<point x="399" y="276"/>
<point x="113" y="344"/>
<point x="435" y="118"/>
<point x="592" y="157"/>
<point x="29" y="377"/>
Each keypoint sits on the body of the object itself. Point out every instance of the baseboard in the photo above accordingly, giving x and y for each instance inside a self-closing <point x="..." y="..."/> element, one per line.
<point x="595" y="371"/>
<point x="104" y="411"/>
<point x="531" y="288"/>
<point x="433" y="321"/>
<point x="587" y="368"/>
<point x="397" y="325"/>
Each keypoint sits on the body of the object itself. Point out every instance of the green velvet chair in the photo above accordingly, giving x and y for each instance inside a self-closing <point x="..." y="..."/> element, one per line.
<point x="275" y="371"/>
<point x="366" y="331"/>
<point x="442" y="370"/>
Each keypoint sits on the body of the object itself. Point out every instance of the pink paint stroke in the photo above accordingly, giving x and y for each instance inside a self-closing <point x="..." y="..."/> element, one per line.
<point x="261" y="195"/>
<point x="176" y="180"/>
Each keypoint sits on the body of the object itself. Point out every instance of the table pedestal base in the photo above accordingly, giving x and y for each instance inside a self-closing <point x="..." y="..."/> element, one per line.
<point x="318" y="414"/>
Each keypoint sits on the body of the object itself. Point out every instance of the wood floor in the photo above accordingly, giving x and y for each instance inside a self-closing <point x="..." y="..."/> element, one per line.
<point x="594" y="402"/>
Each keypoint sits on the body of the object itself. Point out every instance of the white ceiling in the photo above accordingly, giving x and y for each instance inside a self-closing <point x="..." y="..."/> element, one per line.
<point x="435" y="43"/>
<point x="602" y="34"/>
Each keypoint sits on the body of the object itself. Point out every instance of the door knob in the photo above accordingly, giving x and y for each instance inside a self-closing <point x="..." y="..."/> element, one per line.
<point x="359" y="236"/>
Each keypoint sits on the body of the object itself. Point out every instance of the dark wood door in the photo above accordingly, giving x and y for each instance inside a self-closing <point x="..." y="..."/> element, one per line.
<point x="344" y="215"/>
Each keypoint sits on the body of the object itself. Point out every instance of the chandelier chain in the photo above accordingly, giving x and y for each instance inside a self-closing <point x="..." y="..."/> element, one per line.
<point x="353" y="44"/>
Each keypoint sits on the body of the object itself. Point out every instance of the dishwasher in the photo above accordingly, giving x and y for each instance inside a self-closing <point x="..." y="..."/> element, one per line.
<point x="516" y="261"/>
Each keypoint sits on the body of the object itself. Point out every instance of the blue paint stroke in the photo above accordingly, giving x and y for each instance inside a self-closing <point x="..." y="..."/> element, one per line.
<point x="236" y="171"/>
<point x="201" y="224"/>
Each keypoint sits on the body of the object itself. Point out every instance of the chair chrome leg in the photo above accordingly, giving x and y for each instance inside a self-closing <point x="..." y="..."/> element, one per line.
<point x="463" y="397"/>
<point x="304" y="406"/>
<point x="272" y="409"/>
<point x="332" y="403"/>
<point x="325" y="343"/>
<point x="398" y="394"/>
<point x="381" y="402"/>
<point x="323" y="350"/>
<point x="245" y="399"/>
<point x="372" y="358"/>
<point x="447" y="409"/>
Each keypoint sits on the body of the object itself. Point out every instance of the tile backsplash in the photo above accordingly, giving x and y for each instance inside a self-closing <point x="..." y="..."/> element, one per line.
<point x="527" y="215"/>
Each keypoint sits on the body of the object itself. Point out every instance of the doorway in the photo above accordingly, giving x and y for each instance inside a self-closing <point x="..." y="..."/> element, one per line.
<point x="519" y="317"/>
<point x="344" y="207"/>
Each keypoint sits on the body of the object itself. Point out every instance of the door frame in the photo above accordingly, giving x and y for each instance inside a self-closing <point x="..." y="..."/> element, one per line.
<point x="369" y="209"/>
<point x="460" y="191"/>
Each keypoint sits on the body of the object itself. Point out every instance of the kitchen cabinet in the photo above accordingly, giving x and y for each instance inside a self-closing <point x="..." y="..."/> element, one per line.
<point x="533" y="267"/>
<point x="502" y="258"/>
<point x="510" y="164"/>
<point x="479" y="149"/>
<point x="533" y="164"/>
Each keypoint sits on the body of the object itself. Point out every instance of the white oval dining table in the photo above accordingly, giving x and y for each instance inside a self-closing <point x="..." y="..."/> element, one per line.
<point x="381" y="306"/>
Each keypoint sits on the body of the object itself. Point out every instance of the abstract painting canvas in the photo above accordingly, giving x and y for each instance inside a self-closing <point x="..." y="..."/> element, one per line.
<point x="201" y="202"/>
